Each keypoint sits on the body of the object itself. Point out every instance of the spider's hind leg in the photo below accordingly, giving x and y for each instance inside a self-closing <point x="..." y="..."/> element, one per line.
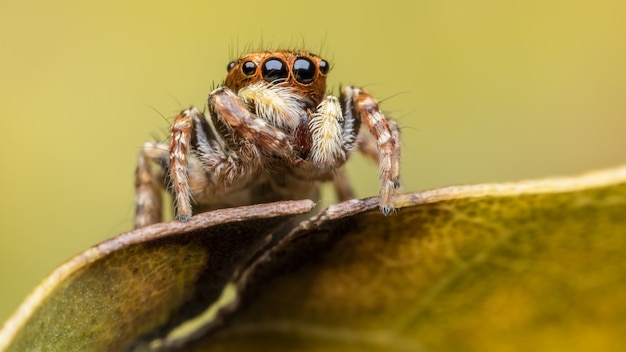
<point x="148" y="184"/>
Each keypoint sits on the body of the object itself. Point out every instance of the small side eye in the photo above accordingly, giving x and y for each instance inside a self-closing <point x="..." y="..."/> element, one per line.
<point x="304" y="70"/>
<point x="274" y="69"/>
<point x="323" y="67"/>
<point x="248" y="68"/>
<point x="230" y="66"/>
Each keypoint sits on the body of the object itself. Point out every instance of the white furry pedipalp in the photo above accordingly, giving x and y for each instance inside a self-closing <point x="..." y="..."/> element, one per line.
<point x="275" y="104"/>
<point x="326" y="133"/>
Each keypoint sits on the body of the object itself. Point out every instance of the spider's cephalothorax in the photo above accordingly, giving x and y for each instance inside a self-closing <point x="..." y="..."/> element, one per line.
<point x="304" y="73"/>
<point x="270" y="133"/>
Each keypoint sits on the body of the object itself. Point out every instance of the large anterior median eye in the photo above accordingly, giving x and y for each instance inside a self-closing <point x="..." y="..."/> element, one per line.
<point x="304" y="70"/>
<point x="274" y="69"/>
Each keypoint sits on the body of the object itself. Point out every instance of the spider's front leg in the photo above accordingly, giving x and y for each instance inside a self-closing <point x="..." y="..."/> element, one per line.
<point x="242" y="128"/>
<point x="231" y="151"/>
<point x="361" y="107"/>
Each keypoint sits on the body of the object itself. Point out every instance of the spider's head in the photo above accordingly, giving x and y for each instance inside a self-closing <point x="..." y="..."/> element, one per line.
<point x="303" y="72"/>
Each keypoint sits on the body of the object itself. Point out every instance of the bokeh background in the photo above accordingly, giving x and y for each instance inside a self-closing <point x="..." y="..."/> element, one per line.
<point x="484" y="91"/>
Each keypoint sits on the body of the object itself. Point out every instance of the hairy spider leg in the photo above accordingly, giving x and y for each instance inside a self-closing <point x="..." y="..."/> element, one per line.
<point x="385" y="133"/>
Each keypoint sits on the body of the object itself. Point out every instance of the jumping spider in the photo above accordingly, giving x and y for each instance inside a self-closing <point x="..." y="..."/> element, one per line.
<point x="270" y="133"/>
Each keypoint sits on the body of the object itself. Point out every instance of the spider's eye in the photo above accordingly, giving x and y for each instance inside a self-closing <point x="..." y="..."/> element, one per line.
<point x="248" y="68"/>
<point x="230" y="66"/>
<point x="274" y="69"/>
<point x="304" y="70"/>
<point x="323" y="67"/>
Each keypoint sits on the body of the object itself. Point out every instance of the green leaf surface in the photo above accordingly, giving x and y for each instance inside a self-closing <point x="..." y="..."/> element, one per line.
<point x="141" y="283"/>
<point x="529" y="266"/>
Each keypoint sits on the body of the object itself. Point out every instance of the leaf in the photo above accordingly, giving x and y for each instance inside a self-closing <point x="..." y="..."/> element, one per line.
<point x="535" y="265"/>
<point x="144" y="281"/>
<point x="528" y="266"/>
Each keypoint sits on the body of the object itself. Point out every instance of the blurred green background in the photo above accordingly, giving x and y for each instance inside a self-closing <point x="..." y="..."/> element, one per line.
<point x="484" y="91"/>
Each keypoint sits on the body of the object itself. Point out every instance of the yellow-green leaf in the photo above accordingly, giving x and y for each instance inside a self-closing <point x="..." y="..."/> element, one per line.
<point x="522" y="266"/>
